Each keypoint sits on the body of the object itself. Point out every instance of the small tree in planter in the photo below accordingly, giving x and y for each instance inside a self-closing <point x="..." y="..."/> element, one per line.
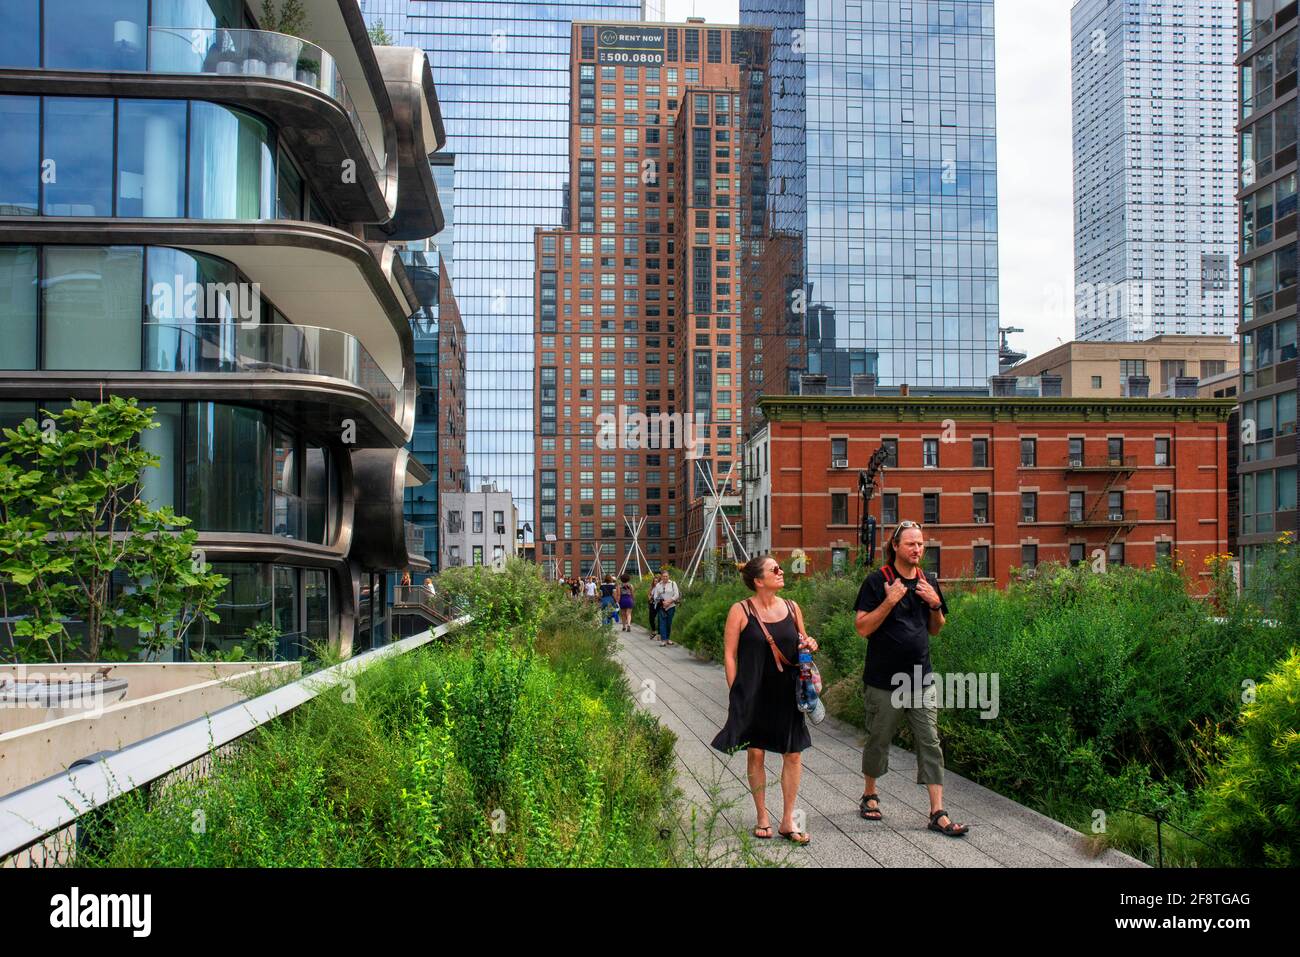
<point x="294" y="60"/>
<point x="72" y="516"/>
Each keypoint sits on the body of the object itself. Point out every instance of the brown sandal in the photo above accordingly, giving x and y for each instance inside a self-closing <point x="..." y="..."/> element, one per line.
<point x="951" y="829"/>
<point x="794" y="837"/>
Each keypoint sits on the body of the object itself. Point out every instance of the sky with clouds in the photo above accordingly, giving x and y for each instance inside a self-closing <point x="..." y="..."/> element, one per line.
<point x="1035" y="162"/>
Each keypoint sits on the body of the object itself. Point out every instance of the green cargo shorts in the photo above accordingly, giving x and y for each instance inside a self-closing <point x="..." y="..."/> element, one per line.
<point x="882" y="724"/>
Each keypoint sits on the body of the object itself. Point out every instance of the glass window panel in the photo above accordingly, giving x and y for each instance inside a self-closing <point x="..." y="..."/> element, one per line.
<point x="316" y="505"/>
<point x="14" y="414"/>
<point x="162" y="485"/>
<point x="286" y="601"/>
<point x="198" y="13"/>
<point x="245" y="602"/>
<point x="78" y="161"/>
<point x="289" y="193"/>
<point x="1286" y="489"/>
<point x="226" y="467"/>
<point x="93" y="307"/>
<point x="232" y="165"/>
<point x="18" y="307"/>
<point x="151" y="158"/>
<point x="20" y="145"/>
<point x="105" y="35"/>
<point x="316" y="591"/>
<point x="20" y="40"/>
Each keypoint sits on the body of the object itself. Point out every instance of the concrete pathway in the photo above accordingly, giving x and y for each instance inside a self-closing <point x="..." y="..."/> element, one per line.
<point x="689" y="696"/>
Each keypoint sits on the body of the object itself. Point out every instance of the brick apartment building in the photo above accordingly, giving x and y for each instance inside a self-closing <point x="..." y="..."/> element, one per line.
<point x="638" y="299"/>
<point x="997" y="483"/>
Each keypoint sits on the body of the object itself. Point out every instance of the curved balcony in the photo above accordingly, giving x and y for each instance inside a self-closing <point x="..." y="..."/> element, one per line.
<point x="225" y="52"/>
<point x="270" y="349"/>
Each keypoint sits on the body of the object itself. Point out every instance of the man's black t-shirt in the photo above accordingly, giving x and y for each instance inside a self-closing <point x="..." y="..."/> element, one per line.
<point x="903" y="639"/>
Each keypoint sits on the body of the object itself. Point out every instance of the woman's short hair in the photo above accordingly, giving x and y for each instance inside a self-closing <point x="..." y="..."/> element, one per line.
<point x="625" y="579"/>
<point x="755" y="569"/>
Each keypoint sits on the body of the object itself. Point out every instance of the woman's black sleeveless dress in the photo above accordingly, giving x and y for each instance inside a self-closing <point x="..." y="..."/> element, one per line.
<point x="761" y="712"/>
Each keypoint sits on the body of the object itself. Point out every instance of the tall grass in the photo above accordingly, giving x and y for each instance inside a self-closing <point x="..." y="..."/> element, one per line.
<point x="516" y="745"/>
<point x="1118" y="692"/>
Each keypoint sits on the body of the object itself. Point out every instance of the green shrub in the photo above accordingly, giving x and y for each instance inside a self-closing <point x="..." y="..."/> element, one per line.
<point x="1252" y="805"/>
<point x="498" y="748"/>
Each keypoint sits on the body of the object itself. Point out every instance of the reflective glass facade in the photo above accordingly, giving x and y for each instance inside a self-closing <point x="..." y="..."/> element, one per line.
<point x="502" y="73"/>
<point x="128" y="158"/>
<point x="1155" y="220"/>
<point x="883" y="193"/>
<point x="1269" y="34"/>
<point x="391" y="15"/>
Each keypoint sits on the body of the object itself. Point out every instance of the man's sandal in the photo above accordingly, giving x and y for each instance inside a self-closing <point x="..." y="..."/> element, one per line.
<point x="870" y="813"/>
<point x="951" y="829"/>
<point x="795" y="837"/>
<point x="763" y="827"/>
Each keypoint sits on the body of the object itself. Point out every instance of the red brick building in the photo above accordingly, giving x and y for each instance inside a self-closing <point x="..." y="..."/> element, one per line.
<point x="639" y="299"/>
<point x="997" y="483"/>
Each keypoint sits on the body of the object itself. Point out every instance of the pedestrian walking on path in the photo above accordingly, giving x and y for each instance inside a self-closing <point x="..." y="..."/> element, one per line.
<point x="668" y="595"/>
<point x="626" y="601"/>
<point x="761" y="643"/>
<point x="608" y="603"/>
<point x="898" y="610"/>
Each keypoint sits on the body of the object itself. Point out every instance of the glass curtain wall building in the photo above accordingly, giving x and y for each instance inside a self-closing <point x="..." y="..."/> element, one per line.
<point x="883" y="193"/>
<point x="502" y="74"/>
<point x="1155" y="224"/>
<point x="196" y="249"/>
<point x="1269" y="38"/>
<point x="390" y="14"/>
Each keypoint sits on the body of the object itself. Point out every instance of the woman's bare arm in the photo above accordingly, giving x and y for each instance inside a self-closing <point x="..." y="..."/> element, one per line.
<point x="731" y="640"/>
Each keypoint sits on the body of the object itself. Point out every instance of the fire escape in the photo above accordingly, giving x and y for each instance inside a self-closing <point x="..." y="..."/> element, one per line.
<point x="1100" y="512"/>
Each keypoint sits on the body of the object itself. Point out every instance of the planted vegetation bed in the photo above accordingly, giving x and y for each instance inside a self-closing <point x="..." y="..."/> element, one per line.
<point x="1119" y="695"/>
<point x="515" y="743"/>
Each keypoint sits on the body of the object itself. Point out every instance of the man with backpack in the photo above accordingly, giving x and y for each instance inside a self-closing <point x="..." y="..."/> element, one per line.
<point x="898" y="610"/>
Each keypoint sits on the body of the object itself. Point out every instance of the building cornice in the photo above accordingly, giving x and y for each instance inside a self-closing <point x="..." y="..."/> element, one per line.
<point x="801" y="408"/>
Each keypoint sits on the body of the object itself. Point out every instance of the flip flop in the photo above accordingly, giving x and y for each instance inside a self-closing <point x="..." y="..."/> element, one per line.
<point x="794" y="837"/>
<point x="763" y="827"/>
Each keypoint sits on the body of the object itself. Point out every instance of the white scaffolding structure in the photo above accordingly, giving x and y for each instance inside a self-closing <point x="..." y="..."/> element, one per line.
<point x="634" y="549"/>
<point x="712" y="513"/>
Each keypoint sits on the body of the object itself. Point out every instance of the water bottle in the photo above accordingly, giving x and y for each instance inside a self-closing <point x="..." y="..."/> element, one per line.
<point x="809" y="701"/>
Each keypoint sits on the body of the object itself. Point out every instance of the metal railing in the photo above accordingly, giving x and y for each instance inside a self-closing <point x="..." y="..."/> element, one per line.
<point x="267" y="348"/>
<point x="225" y="52"/>
<point x="1106" y="516"/>
<point x="436" y="605"/>
<point x="1100" y="463"/>
<point x="38" y="824"/>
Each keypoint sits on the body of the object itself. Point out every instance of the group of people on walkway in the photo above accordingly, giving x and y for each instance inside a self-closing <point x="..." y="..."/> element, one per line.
<point x="616" y="597"/>
<point x="898" y="611"/>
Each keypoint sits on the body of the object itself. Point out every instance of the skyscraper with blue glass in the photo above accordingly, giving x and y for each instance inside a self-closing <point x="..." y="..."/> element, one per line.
<point x="502" y="75"/>
<point x="882" y="252"/>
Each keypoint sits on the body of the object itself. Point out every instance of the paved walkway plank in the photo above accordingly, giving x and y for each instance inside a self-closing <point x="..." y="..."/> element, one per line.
<point x="690" y="698"/>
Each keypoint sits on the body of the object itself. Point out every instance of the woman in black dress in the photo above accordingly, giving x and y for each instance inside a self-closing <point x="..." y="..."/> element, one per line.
<point x="761" y="713"/>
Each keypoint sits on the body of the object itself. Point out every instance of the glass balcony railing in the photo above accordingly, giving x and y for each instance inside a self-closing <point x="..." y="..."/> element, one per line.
<point x="224" y="52"/>
<point x="270" y="349"/>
